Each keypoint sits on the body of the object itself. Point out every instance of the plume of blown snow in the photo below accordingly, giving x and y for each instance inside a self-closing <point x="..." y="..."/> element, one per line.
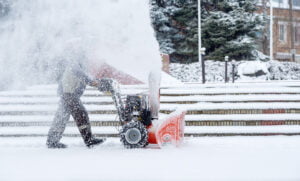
<point x="38" y="36"/>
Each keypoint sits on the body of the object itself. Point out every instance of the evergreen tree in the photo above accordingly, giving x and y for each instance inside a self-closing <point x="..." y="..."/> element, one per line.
<point x="161" y="12"/>
<point x="175" y="24"/>
<point x="229" y="27"/>
<point x="185" y="20"/>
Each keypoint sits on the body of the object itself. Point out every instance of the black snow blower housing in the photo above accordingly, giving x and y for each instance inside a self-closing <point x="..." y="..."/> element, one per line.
<point x="134" y="114"/>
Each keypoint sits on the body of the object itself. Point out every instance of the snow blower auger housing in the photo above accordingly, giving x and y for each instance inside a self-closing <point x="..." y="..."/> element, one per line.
<point x="138" y="127"/>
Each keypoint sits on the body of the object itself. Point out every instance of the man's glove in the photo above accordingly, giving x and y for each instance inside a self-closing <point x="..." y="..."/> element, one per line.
<point x="106" y="85"/>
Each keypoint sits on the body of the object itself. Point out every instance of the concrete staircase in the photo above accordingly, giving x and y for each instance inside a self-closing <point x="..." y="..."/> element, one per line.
<point x="252" y="109"/>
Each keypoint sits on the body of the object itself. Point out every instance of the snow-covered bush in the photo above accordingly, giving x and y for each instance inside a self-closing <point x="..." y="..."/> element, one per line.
<point x="284" y="70"/>
<point x="244" y="71"/>
<point x="215" y="71"/>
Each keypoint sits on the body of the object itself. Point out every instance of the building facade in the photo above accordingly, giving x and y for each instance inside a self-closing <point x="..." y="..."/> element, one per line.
<point x="286" y="29"/>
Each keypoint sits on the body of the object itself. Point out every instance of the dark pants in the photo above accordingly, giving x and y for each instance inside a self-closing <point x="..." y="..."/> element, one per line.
<point x="69" y="105"/>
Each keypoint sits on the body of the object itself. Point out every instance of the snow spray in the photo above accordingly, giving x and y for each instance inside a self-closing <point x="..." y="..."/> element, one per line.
<point x="35" y="38"/>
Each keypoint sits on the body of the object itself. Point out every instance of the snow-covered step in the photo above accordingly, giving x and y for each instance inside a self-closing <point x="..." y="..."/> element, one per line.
<point x="41" y="112"/>
<point x="242" y="117"/>
<point x="242" y="130"/>
<point x="225" y="106"/>
<point x="199" y="108"/>
<point x="180" y="90"/>
<point x="42" y="118"/>
<point x="114" y="123"/>
<point x="190" y="120"/>
<point x="54" y="87"/>
<point x="281" y="83"/>
<point x="232" y="98"/>
<point x="189" y="131"/>
<point x="234" y="108"/>
<point x="43" y="131"/>
<point x="53" y="93"/>
<point x="239" y="111"/>
<point x="218" y="91"/>
<point x="273" y="83"/>
<point x="202" y="117"/>
<point x="53" y="100"/>
<point x="164" y="99"/>
<point x="187" y="123"/>
<point x="50" y="108"/>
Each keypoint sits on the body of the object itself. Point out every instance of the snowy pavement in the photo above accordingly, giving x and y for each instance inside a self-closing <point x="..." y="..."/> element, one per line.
<point x="207" y="158"/>
<point x="188" y="130"/>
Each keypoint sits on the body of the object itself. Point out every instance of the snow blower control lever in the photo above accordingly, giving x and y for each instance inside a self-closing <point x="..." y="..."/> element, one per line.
<point x="111" y="86"/>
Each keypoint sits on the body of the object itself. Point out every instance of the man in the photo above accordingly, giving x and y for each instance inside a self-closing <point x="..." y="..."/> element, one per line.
<point x="71" y="87"/>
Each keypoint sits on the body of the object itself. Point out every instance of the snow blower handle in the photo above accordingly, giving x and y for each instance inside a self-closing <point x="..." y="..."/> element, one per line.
<point x="106" y="85"/>
<point x="111" y="86"/>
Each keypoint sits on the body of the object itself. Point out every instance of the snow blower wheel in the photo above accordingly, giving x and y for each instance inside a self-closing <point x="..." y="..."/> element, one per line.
<point x="134" y="135"/>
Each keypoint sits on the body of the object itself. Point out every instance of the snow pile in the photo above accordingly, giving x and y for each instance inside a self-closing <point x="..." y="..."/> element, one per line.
<point x="253" y="70"/>
<point x="244" y="71"/>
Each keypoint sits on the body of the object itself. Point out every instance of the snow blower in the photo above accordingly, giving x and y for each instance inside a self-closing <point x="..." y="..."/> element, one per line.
<point x="139" y="127"/>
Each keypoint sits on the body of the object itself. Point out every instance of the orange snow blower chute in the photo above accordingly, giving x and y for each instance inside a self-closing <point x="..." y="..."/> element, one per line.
<point x="169" y="130"/>
<point x="139" y="128"/>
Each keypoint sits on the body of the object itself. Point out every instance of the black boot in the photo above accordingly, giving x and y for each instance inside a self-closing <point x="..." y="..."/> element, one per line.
<point x="88" y="139"/>
<point x="57" y="145"/>
<point x="94" y="141"/>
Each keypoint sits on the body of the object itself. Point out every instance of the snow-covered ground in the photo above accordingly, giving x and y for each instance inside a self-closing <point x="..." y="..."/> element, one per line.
<point x="207" y="158"/>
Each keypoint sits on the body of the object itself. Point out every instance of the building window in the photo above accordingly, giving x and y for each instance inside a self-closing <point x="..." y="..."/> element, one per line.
<point x="297" y="34"/>
<point x="278" y="1"/>
<point x="282" y="32"/>
<point x="296" y="2"/>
